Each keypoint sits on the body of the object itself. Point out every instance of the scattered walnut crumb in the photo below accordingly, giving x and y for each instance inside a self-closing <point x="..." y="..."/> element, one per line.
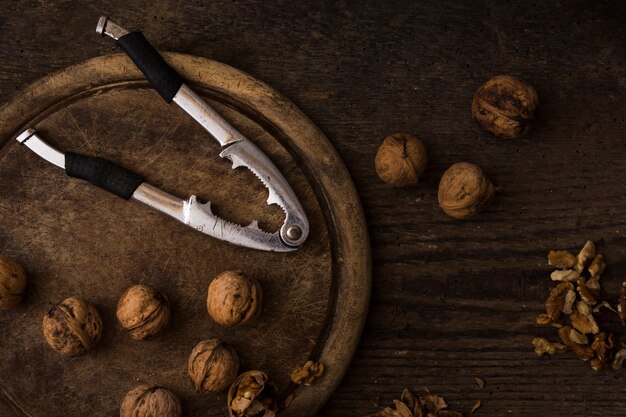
<point x="480" y="382"/>
<point x="475" y="407"/>
<point x="307" y="373"/>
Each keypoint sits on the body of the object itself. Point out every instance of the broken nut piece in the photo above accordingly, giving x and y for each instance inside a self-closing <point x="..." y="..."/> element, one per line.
<point x="307" y="373"/>
<point x="585" y="256"/>
<point x="561" y="259"/>
<point x="560" y="300"/>
<point x="597" y="266"/>
<point x="586" y="295"/>
<point x="543" y="346"/>
<point x="605" y="345"/>
<point x="584" y="352"/>
<point x="577" y="337"/>
<point x="567" y="275"/>
<point x="582" y="319"/>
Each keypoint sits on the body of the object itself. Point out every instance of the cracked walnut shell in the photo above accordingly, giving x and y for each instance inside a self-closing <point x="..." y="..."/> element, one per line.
<point x="252" y="394"/>
<point x="12" y="283"/>
<point x="400" y="160"/>
<point x="234" y="299"/>
<point x="143" y="311"/>
<point x="505" y="106"/>
<point x="72" y="327"/>
<point x="212" y="366"/>
<point x="464" y="190"/>
<point x="150" y="401"/>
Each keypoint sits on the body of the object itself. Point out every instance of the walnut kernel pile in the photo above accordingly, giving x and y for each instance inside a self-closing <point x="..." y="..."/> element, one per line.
<point x="574" y="308"/>
<point x="428" y="405"/>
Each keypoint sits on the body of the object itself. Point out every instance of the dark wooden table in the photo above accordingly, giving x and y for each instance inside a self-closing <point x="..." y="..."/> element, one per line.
<point x="452" y="300"/>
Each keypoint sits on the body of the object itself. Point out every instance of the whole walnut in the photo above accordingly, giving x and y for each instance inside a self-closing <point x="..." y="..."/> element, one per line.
<point x="505" y="106"/>
<point x="212" y="366"/>
<point x="72" y="327"/>
<point x="12" y="283"/>
<point x="150" y="401"/>
<point x="234" y="299"/>
<point x="464" y="190"/>
<point x="252" y="394"/>
<point x="143" y="311"/>
<point x="400" y="160"/>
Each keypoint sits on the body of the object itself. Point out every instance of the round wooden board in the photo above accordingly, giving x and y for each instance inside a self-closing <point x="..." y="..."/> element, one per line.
<point x="75" y="239"/>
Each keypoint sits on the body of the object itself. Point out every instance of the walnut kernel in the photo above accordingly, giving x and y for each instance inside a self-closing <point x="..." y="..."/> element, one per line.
<point x="597" y="266"/>
<point x="505" y="106"/>
<point x="585" y="256"/>
<point x="464" y="190"/>
<point x="584" y="352"/>
<point x="148" y="400"/>
<point x="143" y="311"/>
<point x="234" y="299"/>
<point x="12" y="283"/>
<point x="582" y="319"/>
<point x="212" y="366"/>
<point x="561" y="259"/>
<point x="567" y="275"/>
<point x="400" y="160"/>
<point x="586" y="295"/>
<point x="560" y="300"/>
<point x="307" y="373"/>
<point x="543" y="346"/>
<point x="72" y="327"/>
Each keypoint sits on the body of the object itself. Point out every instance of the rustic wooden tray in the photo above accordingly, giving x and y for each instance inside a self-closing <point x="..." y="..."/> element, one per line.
<point x="75" y="239"/>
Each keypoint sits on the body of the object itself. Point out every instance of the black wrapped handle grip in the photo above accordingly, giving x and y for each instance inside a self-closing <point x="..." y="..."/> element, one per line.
<point x="102" y="173"/>
<point x="161" y="76"/>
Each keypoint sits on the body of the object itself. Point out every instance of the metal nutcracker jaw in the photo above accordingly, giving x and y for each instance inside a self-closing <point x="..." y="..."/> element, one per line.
<point x="190" y="212"/>
<point x="234" y="146"/>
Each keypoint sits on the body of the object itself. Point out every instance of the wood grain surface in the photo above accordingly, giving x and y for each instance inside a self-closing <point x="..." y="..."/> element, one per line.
<point x="452" y="300"/>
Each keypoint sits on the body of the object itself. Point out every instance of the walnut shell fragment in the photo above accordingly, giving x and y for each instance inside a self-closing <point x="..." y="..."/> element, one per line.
<point x="252" y="394"/>
<point x="143" y="311"/>
<point x="150" y="401"/>
<point x="72" y="327"/>
<point x="12" y="283"/>
<point x="505" y="106"/>
<point x="307" y="373"/>
<point x="234" y="299"/>
<point x="464" y="190"/>
<point x="560" y="300"/>
<point x="401" y="160"/>
<point x="212" y="366"/>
